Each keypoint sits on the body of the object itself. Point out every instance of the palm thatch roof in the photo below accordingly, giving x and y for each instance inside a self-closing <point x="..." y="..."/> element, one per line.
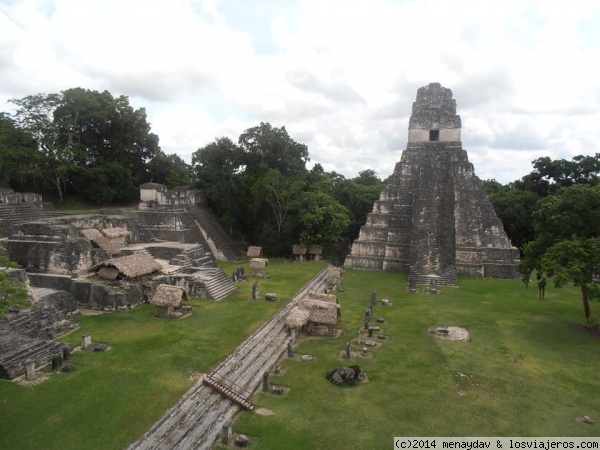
<point x="259" y="263"/>
<point x="321" y="296"/>
<point x="334" y="272"/>
<point x="313" y="311"/>
<point x="322" y="312"/>
<point x="115" y="232"/>
<point x="131" y="266"/>
<point x="169" y="296"/>
<point x="314" y="249"/>
<point x="297" y="317"/>
<point x="299" y="249"/>
<point x="100" y="240"/>
<point x="108" y="273"/>
<point x="254" y="252"/>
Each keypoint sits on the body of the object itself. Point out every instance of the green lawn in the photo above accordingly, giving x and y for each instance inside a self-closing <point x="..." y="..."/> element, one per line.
<point x="112" y="398"/>
<point x="529" y="369"/>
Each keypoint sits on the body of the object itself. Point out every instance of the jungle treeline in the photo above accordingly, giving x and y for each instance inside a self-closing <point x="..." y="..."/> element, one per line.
<point x="97" y="147"/>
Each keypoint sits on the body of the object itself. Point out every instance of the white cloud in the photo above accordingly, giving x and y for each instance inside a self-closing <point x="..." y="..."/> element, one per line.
<point x="341" y="76"/>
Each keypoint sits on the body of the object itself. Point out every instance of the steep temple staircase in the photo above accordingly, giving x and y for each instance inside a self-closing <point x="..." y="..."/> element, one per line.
<point x="220" y="242"/>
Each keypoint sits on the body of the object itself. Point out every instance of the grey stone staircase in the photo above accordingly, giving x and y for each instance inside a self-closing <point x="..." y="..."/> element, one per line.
<point x="22" y="213"/>
<point x="216" y="234"/>
<point x="181" y="260"/>
<point x="25" y="350"/>
<point x="218" y="285"/>
<point x="446" y="279"/>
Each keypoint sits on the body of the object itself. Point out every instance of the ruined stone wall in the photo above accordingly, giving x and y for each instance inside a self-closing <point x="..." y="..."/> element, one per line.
<point x="173" y="226"/>
<point x="94" y="293"/>
<point x="56" y="245"/>
<point x="157" y="197"/>
<point x="47" y="248"/>
<point x="10" y="197"/>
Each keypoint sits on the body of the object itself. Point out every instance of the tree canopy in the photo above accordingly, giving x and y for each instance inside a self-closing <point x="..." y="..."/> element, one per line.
<point x="261" y="187"/>
<point x="567" y="225"/>
<point x="84" y="142"/>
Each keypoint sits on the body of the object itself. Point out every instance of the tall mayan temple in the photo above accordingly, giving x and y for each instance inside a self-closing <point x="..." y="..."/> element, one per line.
<point x="433" y="220"/>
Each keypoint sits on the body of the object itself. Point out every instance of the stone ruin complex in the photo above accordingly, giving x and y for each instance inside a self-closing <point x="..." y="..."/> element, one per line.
<point x="433" y="219"/>
<point x="107" y="259"/>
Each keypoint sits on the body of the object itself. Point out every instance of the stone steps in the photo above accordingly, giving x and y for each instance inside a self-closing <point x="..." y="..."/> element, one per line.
<point x="17" y="214"/>
<point x="219" y="285"/>
<point x="447" y="279"/>
<point x="200" y="260"/>
<point x="42" y="352"/>
<point x="222" y="240"/>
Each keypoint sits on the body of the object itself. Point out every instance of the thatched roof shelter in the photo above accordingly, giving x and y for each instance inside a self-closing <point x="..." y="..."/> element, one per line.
<point x="254" y="252"/>
<point x="321" y="296"/>
<point x="299" y="249"/>
<point x="130" y="266"/>
<point x="100" y="240"/>
<point x="315" y="249"/>
<point x="322" y="312"/>
<point x="259" y="263"/>
<point x="297" y="317"/>
<point x="313" y="311"/>
<point x="115" y="232"/>
<point x="169" y="296"/>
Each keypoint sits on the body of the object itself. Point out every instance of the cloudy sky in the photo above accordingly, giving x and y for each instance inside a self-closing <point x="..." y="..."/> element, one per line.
<point x="341" y="76"/>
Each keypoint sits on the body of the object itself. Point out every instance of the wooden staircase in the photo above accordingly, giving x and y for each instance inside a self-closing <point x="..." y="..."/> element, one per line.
<point x="226" y="388"/>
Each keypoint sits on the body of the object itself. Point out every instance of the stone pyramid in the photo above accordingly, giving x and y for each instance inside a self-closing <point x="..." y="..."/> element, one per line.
<point x="433" y="219"/>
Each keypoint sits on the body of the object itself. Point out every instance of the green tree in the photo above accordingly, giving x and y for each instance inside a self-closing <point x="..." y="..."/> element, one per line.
<point x="80" y="133"/>
<point x="20" y="162"/>
<point x="515" y="209"/>
<point x="549" y="175"/>
<point x="367" y="177"/>
<point x="35" y="115"/>
<point x="216" y="170"/>
<point x="358" y="195"/>
<point x="567" y="226"/>
<point x="169" y="170"/>
<point x="323" y="219"/>
<point x="582" y="169"/>
<point x="98" y="127"/>
<point x="275" y="149"/>
<point x="575" y="261"/>
<point x="105" y="183"/>
<point x="279" y="193"/>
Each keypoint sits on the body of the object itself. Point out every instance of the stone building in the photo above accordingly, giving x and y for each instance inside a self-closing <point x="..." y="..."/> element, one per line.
<point x="155" y="197"/>
<point x="433" y="219"/>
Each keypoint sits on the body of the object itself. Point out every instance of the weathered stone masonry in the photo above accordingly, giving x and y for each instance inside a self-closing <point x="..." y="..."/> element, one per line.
<point x="433" y="218"/>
